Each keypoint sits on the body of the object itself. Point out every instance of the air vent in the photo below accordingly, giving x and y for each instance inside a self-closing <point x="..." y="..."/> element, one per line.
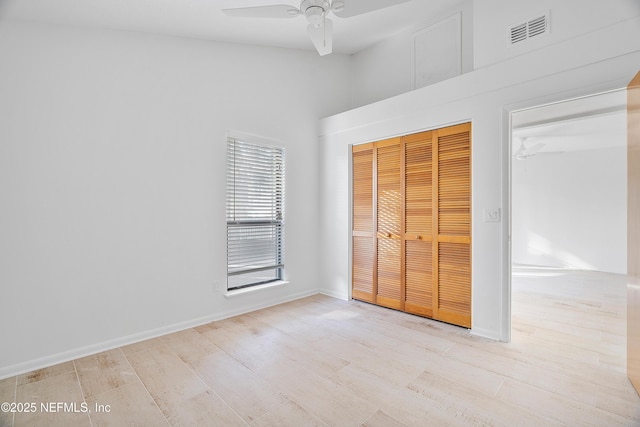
<point x="537" y="26"/>
<point x="533" y="28"/>
<point x="518" y="33"/>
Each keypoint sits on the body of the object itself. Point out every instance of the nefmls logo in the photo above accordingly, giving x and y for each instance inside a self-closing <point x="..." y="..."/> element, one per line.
<point x="73" y="407"/>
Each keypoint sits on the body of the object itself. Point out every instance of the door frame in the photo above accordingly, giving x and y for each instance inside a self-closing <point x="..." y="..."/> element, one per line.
<point x="507" y="181"/>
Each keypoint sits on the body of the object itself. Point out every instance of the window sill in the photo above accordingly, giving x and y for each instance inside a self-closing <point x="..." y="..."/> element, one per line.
<point x="250" y="289"/>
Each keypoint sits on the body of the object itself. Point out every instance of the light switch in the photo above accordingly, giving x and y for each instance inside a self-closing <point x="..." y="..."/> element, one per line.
<point x="491" y="215"/>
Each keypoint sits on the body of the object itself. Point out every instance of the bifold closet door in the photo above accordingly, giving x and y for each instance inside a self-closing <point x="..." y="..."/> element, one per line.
<point x="418" y="220"/>
<point x="411" y="237"/>
<point x="452" y="225"/>
<point x="363" y="238"/>
<point x="388" y="219"/>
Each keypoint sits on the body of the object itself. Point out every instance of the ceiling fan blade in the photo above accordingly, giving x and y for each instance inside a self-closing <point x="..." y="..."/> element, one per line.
<point x="522" y="149"/>
<point x="358" y="7"/>
<point x="273" y="11"/>
<point x="322" y="37"/>
<point x="535" y="148"/>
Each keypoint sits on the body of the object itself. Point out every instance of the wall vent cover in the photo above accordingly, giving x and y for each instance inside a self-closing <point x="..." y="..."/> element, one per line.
<point x="532" y="28"/>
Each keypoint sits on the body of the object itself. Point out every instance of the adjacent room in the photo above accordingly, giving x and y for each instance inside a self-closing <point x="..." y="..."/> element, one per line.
<point x="569" y="225"/>
<point x="182" y="207"/>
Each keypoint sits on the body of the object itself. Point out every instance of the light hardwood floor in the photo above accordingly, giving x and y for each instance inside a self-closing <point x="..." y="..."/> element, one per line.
<point x="322" y="361"/>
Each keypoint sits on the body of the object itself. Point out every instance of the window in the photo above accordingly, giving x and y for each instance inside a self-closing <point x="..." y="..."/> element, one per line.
<point x="255" y="213"/>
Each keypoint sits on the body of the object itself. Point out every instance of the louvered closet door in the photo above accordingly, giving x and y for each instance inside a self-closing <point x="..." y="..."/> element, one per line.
<point x="418" y="236"/>
<point x="452" y="225"/>
<point x="389" y="206"/>
<point x="412" y="223"/>
<point x="363" y="244"/>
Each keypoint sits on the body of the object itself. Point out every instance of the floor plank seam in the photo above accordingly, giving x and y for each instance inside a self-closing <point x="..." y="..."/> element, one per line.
<point x="82" y="393"/>
<point x="146" y="389"/>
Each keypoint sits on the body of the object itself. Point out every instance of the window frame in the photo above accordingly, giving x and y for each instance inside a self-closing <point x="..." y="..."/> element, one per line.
<point x="255" y="211"/>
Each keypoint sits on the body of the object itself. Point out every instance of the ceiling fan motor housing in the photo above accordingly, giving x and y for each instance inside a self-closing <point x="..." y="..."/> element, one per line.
<point x="315" y="10"/>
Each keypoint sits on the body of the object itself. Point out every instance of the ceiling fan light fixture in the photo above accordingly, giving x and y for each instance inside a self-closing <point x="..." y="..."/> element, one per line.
<point x="314" y="15"/>
<point x="315" y="11"/>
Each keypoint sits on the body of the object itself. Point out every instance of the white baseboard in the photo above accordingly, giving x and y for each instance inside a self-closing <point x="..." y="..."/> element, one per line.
<point x="54" y="359"/>
<point x="486" y="333"/>
<point x="330" y="293"/>
<point x="66" y="356"/>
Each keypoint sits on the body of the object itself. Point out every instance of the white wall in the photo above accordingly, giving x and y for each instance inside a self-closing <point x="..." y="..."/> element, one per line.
<point x="569" y="210"/>
<point x="385" y="69"/>
<point x="112" y="181"/>
<point x="493" y="19"/>
<point x="112" y="171"/>
<point x="596" y="61"/>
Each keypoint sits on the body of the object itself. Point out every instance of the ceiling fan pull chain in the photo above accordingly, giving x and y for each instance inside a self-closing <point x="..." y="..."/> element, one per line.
<point x="324" y="29"/>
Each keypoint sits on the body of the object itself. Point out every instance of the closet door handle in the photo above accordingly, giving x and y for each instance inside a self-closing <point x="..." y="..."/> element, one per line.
<point x="418" y="237"/>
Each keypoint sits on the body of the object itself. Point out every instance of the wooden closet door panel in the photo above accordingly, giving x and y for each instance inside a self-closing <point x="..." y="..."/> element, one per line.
<point x="411" y="232"/>
<point x="418" y="193"/>
<point x="452" y="225"/>
<point x="454" y="283"/>
<point x="363" y="189"/>
<point x="389" y="205"/>
<point x="389" y="273"/>
<point x="418" y="185"/>
<point x="389" y="195"/>
<point x="454" y="182"/>
<point x="363" y="253"/>
<point x="363" y="242"/>
<point x="418" y="277"/>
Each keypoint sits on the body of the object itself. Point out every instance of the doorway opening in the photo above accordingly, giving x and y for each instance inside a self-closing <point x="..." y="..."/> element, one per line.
<point x="568" y="228"/>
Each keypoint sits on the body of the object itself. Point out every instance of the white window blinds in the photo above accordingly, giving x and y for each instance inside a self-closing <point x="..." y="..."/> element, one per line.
<point x="255" y="213"/>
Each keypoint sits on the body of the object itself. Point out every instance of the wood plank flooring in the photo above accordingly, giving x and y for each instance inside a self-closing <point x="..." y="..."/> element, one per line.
<point x="320" y="361"/>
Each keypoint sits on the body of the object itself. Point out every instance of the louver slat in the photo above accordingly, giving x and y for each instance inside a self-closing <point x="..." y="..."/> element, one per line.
<point x="389" y="272"/>
<point x="389" y="214"/>
<point x="537" y="26"/>
<point x="363" y="224"/>
<point x="389" y="197"/>
<point x="454" y="185"/>
<point x="418" y="186"/>
<point x="518" y="33"/>
<point x="363" y="268"/>
<point x="418" y="277"/>
<point x="454" y="283"/>
<point x="363" y="191"/>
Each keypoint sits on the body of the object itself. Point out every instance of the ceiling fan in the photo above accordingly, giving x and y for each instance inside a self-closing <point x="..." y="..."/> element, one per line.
<point x="320" y="28"/>
<point x="526" y="150"/>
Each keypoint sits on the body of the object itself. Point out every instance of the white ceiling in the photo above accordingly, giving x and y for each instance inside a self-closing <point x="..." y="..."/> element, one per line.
<point x="203" y="19"/>
<point x="588" y="123"/>
<point x="580" y="124"/>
